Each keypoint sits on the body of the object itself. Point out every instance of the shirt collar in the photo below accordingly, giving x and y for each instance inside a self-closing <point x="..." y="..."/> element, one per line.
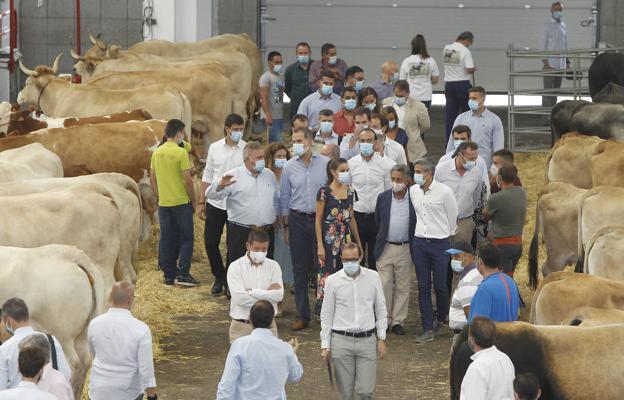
<point x="347" y="277"/>
<point x="467" y="269"/>
<point x="472" y="113"/>
<point x="24" y="330"/>
<point x="28" y="385"/>
<point x="262" y="331"/>
<point x="314" y="155"/>
<point x="116" y="310"/>
<point x="483" y="352"/>
<point x="320" y="96"/>
<point x="248" y="261"/>
<point x="170" y="144"/>
<point x="333" y="135"/>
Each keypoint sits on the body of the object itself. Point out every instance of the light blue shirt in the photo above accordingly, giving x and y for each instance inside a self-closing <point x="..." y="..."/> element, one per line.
<point x="257" y="368"/>
<point x="299" y="183"/>
<point x="554" y="38"/>
<point x="314" y="103"/>
<point x="487" y="132"/>
<point x="384" y="89"/>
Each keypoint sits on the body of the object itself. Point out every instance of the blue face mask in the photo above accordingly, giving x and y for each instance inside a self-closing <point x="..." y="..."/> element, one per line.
<point x="391" y="124"/>
<point x="358" y="85"/>
<point x="419" y="179"/>
<point x="350" y="104"/>
<point x="399" y="101"/>
<point x="277" y="68"/>
<point x="344" y="178"/>
<point x="298" y="148"/>
<point x="259" y="166"/>
<point x="350" y="267"/>
<point x="236" y="136"/>
<point x="457" y="142"/>
<point x="456" y="265"/>
<point x="371" y="106"/>
<point x="470" y="165"/>
<point x="280" y="162"/>
<point x="473" y="105"/>
<point x="395" y="77"/>
<point x="557" y="14"/>
<point x="327" y="126"/>
<point x="366" y="149"/>
<point x="326" y="89"/>
<point x="303" y="59"/>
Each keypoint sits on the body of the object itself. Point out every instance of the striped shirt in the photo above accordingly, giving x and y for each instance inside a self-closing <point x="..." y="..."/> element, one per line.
<point x="466" y="288"/>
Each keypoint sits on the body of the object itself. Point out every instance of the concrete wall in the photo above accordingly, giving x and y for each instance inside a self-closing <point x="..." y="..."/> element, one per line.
<point x="50" y="29"/>
<point x="238" y="16"/>
<point x="612" y="22"/>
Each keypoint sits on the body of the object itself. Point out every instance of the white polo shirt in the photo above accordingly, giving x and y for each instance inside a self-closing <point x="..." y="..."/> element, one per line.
<point x="457" y="58"/>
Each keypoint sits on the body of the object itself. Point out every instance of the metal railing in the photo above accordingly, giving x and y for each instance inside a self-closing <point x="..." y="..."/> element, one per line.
<point x="528" y="127"/>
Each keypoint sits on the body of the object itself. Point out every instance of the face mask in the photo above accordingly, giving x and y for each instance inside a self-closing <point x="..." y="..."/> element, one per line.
<point x="344" y="178"/>
<point x="359" y="127"/>
<point x="494" y="170"/>
<point x="259" y="166"/>
<point x="351" y="267"/>
<point x="419" y="179"/>
<point x="378" y="132"/>
<point x="371" y="106"/>
<point x="350" y="104"/>
<point x="457" y="142"/>
<point x="303" y="59"/>
<point x="470" y="165"/>
<point x="299" y="148"/>
<point x="326" y="126"/>
<point x="277" y="68"/>
<point x="473" y="105"/>
<point x="333" y="60"/>
<point x="280" y="162"/>
<point x="397" y="187"/>
<point x="366" y="149"/>
<point x="358" y="85"/>
<point x="395" y="77"/>
<point x="557" y="14"/>
<point x="399" y="101"/>
<point x="391" y="124"/>
<point x="236" y="136"/>
<point x="257" y="256"/>
<point x="327" y="89"/>
<point x="457" y="266"/>
<point x="9" y="330"/>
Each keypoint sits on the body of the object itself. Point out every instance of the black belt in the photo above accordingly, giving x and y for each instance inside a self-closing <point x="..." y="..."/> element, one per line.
<point x="355" y="334"/>
<point x="262" y="227"/>
<point x="456" y="331"/>
<point x="309" y="215"/>
<point x="397" y="243"/>
<point x="365" y="214"/>
<point x="244" y="321"/>
<point x="430" y="239"/>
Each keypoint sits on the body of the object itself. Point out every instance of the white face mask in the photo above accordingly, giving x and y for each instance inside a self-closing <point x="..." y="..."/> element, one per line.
<point x="257" y="256"/>
<point x="494" y="170"/>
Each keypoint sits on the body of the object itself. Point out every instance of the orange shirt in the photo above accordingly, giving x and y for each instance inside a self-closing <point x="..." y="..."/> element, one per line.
<point x="342" y="125"/>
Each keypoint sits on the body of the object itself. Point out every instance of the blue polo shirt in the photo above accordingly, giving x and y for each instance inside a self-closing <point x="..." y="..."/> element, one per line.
<point x="497" y="298"/>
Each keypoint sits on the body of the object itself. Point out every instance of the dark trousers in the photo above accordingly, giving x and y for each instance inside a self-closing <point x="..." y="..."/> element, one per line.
<point x="237" y="240"/>
<point x="176" y="239"/>
<point x="367" y="229"/>
<point x="551" y="82"/>
<point x="215" y="221"/>
<point x="427" y="103"/>
<point x="509" y="257"/>
<point x="302" y="240"/>
<point x="430" y="259"/>
<point x="456" y="94"/>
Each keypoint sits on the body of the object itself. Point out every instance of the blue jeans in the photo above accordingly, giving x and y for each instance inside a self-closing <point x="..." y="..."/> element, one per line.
<point x="456" y="94"/>
<point x="302" y="239"/>
<point x="275" y="130"/>
<point x="429" y="258"/>
<point x="176" y="239"/>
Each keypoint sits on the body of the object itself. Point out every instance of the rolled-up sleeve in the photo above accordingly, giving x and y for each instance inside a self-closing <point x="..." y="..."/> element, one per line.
<point x="146" y="361"/>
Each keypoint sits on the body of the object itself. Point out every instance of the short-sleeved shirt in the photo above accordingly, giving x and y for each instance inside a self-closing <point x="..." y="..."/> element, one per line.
<point x="275" y="83"/>
<point x="457" y="58"/>
<point x="418" y="72"/>
<point x="462" y="296"/>
<point x="507" y="210"/>
<point x="497" y="298"/>
<point x="168" y="161"/>
<point x="342" y="125"/>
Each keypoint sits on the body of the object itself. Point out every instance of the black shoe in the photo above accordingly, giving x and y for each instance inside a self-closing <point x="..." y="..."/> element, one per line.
<point x="217" y="289"/>
<point x="186" y="281"/>
<point x="227" y="293"/>
<point x="398" y="330"/>
<point x="169" y="282"/>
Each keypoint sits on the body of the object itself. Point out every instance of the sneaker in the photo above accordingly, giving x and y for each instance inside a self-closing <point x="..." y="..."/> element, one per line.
<point x="398" y="330"/>
<point x="169" y="282"/>
<point x="425" y="337"/>
<point x="437" y="324"/>
<point x="186" y="281"/>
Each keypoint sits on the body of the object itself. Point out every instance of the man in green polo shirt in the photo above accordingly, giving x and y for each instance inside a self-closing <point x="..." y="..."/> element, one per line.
<point x="171" y="180"/>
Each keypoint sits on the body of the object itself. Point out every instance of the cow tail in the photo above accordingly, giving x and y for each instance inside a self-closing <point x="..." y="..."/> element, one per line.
<point x="581" y="249"/>
<point x="534" y="250"/>
<point x="94" y="276"/>
<point x="186" y="114"/>
<point x="590" y="246"/>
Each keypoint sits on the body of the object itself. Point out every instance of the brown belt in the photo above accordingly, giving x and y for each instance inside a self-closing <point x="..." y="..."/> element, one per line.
<point x="508" y="240"/>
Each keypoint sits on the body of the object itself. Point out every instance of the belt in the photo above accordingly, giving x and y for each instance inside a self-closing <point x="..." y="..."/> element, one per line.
<point x="309" y="215"/>
<point x="244" y="321"/>
<point x="430" y="239"/>
<point x="456" y="331"/>
<point x="355" y="334"/>
<point x="397" y="243"/>
<point x="508" y="240"/>
<point x="364" y="213"/>
<point x="262" y="227"/>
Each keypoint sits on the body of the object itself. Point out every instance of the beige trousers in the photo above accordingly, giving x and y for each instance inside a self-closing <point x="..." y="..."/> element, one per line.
<point x="464" y="230"/>
<point x="395" y="271"/>
<point x="240" y="329"/>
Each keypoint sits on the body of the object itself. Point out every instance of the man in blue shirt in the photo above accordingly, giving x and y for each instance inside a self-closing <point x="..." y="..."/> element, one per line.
<point x="497" y="297"/>
<point x="259" y="365"/>
<point x="323" y="98"/>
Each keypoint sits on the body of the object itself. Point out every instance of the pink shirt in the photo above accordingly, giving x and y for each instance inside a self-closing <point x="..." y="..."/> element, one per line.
<point x="52" y="381"/>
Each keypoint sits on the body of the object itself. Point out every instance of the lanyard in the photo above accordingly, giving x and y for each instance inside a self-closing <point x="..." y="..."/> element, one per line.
<point x="500" y="275"/>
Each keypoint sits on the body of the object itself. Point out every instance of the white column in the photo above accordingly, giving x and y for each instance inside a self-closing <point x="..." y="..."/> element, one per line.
<point x="182" y="21"/>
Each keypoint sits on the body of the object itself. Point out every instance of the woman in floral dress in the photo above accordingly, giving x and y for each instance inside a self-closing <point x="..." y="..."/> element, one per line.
<point x="335" y="224"/>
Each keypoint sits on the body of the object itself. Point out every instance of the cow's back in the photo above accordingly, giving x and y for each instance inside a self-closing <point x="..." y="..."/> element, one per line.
<point x="570" y="160"/>
<point x="607" y="164"/>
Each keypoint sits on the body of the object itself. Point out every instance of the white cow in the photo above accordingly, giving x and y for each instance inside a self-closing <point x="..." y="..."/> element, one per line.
<point x="29" y="162"/>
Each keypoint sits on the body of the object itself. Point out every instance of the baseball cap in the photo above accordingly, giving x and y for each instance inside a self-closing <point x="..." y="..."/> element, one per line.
<point x="461" y="247"/>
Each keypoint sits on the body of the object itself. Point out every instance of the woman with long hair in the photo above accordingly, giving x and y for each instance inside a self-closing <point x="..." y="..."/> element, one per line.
<point x="368" y="98"/>
<point x="335" y="224"/>
<point x="421" y="71"/>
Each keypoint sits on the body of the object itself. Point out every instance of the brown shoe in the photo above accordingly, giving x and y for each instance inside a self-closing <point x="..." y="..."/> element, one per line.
<point x="299" y="325"/>
<point x="280" y="310"/>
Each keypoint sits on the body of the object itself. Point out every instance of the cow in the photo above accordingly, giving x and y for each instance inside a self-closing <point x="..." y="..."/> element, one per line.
<point x="607" y="164"/>
<point x="202" y="84"/>
<point x="125" y="193"/>
<point x="561" y="118"/>
<point x="571" y="363"/>
<point x="606" y="67"/>
<point x="604" y="253"/>
<point x="599" y="119"/>
<point x="57" y="97"/>
<point x="29" y="162"/>
<point x="556" y="217"/>
<point x="611" y="93"/>
<point x="570" y="160"/>
<point x="64" y="292"/>
<point x="563" y="293"/>
<point x="592" y="316"/>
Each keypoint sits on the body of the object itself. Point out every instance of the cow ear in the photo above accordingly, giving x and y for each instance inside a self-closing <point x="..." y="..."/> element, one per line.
<point x="113" y="51"/>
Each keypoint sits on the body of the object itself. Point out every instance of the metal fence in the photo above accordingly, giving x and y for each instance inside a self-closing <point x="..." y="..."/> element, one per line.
<point x="528" y="126"/>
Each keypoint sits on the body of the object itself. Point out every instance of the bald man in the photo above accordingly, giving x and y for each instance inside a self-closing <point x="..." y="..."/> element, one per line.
<point x="121" y="346"/>
<point x="331" y="150"/>
<point x="385" y="85"/>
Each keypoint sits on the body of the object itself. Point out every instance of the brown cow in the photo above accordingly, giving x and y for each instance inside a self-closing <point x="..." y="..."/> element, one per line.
<point x="570" y="160"/>
<point x="607" y="164"/>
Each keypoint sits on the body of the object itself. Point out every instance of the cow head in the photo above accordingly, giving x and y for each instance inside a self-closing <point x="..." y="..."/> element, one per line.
<point x="85" y="66"/>
<point x="37" y="80"/>
<point x="99" y="47"/>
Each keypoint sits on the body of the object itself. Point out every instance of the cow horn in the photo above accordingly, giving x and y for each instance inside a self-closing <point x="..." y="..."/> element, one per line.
<point x="25" y="69"/>
<point x="100" y="43"/>
<point x="92" y="39"/>
<point x="55" y="66"/>
<point x="75" y="55"/>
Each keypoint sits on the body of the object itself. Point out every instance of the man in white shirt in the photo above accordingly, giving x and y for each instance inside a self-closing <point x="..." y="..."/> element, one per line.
<point x="15" y="320"/>
<point x="252" y="200"/>
<point x="554" y="38"/>
<point x="386" y="146"/>
<point x="465" y="179"/>
<point x="251" y="278"/>
<point x="31" y="361"/>
<point x="326" y="135"/>
<point x="51" y="380"/>
<point x="349" y="146"/>
<point x="259" y="365"/>
<point x="223" y="155"/>
<point x="491" y="374"/>
<point x="370" y="176"/>
<point x="458" y="70"/>
<point x="353" y="325"/>
<point x="436" y="222"/>
<point x="461" y="134"/>
<point x="121" y="347"/>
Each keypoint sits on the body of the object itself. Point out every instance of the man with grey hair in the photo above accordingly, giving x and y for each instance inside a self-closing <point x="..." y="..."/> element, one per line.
<point x="51" y="381"/>
<point x="251" y="199"/>
<point x="121" y="346"/>
<point x="436" y="221"/>
<point x="395" y="220"/>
